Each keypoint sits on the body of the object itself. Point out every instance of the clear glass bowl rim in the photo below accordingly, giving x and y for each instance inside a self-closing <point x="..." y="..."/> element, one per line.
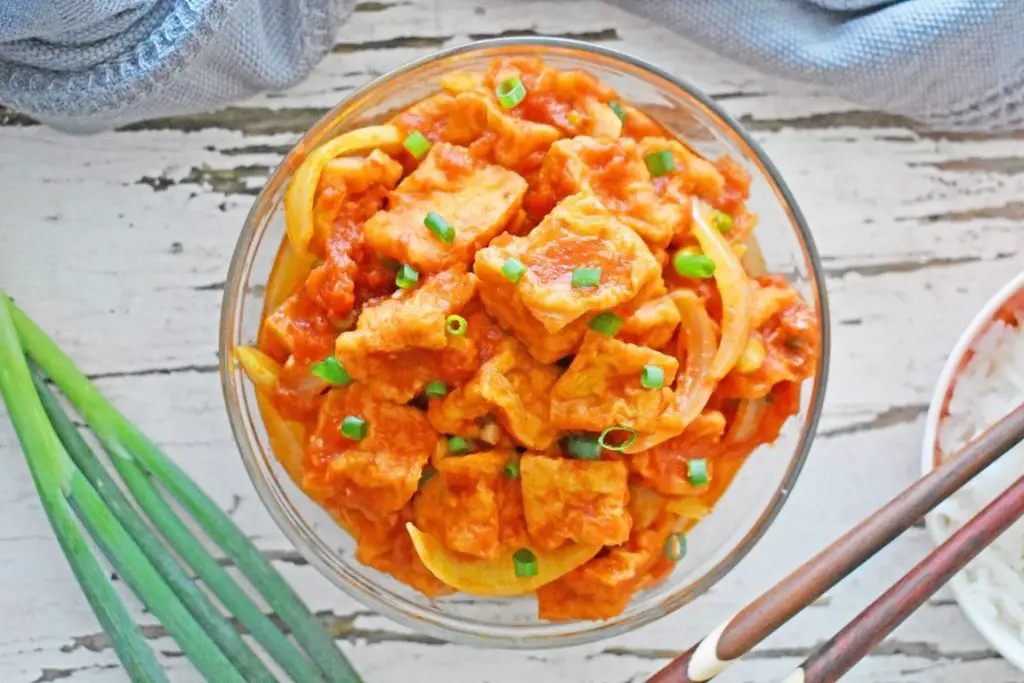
<point x="445" y="626"/>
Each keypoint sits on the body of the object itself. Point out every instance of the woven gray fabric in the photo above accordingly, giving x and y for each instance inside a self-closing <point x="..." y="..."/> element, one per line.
<point x="89" y="65"/>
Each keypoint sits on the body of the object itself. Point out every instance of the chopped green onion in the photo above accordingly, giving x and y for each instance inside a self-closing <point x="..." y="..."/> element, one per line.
<point x="439" y="226"/>
<point x="660" y="163"/>
<point x="428" y="473"/>
<point x="606" y="323"/>
<point x="619" y="110"/>
<point x="354" y="428"/>
<point x="512" y="468"/>
<point x="436" y="389"/>
<point x="722" y="221"/>
<point x="407" y="277"/>
<point x="586" y="277"/>
<point x="511" y="92"/>
<point x="525" y="563"/>
<point x="693" y="265"/>
<point x="459" y="445"/>
<point x="675" y="547"/>
<point x="583" y="447"/>
<point x="698" y="471"/>
<point x="619" y="447"/>
<point x="417" y="144"/>
<point x="652" y="377"/>
<point x="514" y="270"/>
<point x="456" y="325"/>
<point x="331" y="371"/>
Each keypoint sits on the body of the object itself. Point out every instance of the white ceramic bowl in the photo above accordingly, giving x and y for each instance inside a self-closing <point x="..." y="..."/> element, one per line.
<point x="1002" y="638"/>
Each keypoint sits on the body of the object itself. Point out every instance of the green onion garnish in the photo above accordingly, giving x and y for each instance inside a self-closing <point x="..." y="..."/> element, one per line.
<point x="619" y="110"/>
<point x="619" y="447"/>
<point x="354" y="428"/>
<point x="525" y="563"/>
<point x="660" y="163"/>
<point x="693" y="265"/>
<point x="652" y="377"/>
<point x="331" y="371"/>
<point x="417" y="144"/>
<point x="428" y="472"/>
<point x="459" y="445"/>
<point x="407" y="277"/>
<point x="722" y="221"/>
<point x="586" y="277"/>
<point x="606" y="323"/>
<point x="512" y="468"/>
<point x="456" y="325"/>
<point x="511" y="92"/>
<point x="583" y="447"/>
<point x="436" y="389"/>
<point x="675" y="547"/>
<point x="698" y="471"/>
<point x="439" y="227"/>
<point x="514" y="270"/>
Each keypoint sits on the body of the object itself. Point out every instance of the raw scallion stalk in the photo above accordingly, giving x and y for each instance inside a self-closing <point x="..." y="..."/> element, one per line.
<point x="213" y="622"/>
<point x="52" y="470"/>
<point x="123" y="553"/>
<point x="122" y="439"/>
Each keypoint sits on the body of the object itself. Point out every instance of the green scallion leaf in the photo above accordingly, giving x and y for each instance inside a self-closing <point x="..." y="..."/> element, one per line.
<point x="354" y="427"/>
<point x="436" y="389"/>
<point x="606" y="323"/>
<point x="615" y="431"/>
<point x="525" y="562"/>
<point x="459" y="445"/>
<point x="511" y="92"/>
<point x="619" y="110"/>
<point x="722" y="221"/>
<point x="514" y="270"/>
<point x="511" y="468"/>
<point x="675" y="547"/>
<point x="697" y="470"/>
<point x="660" y="163"/>
<point x="456" y="325"/>
<point x="427" y="475"/>
<point x="439" y="226"/>
<point x="417" y="144"/>
<point x="693" y="265"/>
<point x="652" y="377"/>
<point x="331" y="371"/>
<point x="586" y="277"/>
<point x="407" y="277"/>
<point x="583" y="447"/>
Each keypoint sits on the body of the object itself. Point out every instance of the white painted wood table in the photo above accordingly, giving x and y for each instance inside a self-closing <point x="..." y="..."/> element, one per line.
<point x="118" y="244"/>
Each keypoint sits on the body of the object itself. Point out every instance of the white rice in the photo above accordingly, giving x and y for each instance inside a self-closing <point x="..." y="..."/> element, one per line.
<point x="989" y="386"/>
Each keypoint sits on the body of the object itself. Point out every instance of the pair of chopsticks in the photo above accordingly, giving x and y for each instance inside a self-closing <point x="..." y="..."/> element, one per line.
<point x="762" y="617"/>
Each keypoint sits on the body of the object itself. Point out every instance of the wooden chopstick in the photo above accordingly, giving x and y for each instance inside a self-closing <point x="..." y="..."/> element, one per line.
<point x="834" y="658"/>
<point x="779" y="604"/>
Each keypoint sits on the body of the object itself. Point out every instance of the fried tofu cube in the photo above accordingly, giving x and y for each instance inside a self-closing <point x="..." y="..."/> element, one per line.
<point x="460" y="504"/>
<point x="477" y="122"/>
<point x="513" y="386"/>
<point x="475" y="198"/>
<point x="500" y="297"/>
<point x="665" y="467"/>
<point x="603" y="587"/>
<point x="652" y="324"/>
<point x="602" y="387"/>
<point x="693" y="175"/>
<point x="378" y="474"/>
<point x="301" y="327"/>
<point x="581" y="233"/>
<point x="615" y="172"/>
<point x="575" y="500"/>
<point x="400" y="344"/>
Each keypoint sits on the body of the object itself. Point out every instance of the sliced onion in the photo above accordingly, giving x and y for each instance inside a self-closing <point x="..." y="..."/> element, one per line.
<point x="748" y="418"/>
<point x="261" y="369"/>
<point x="733" y="287"/>
<point x="298" y="199"/>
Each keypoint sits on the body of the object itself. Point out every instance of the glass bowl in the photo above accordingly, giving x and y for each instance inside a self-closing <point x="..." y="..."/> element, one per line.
<point x="717" y="543"/>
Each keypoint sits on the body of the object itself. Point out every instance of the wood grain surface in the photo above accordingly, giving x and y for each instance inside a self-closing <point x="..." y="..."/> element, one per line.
<point x="118" y="245"/>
